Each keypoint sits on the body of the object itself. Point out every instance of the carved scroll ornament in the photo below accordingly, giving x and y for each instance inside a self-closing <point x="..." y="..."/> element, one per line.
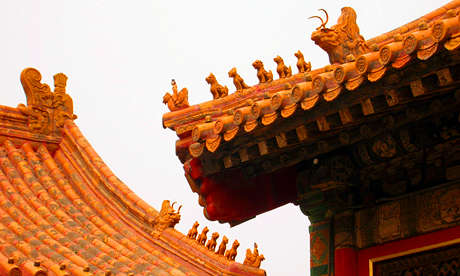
<point x="46" y="111"/>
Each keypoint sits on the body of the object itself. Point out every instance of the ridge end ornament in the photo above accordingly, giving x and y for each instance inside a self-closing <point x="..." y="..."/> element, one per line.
<point x="167" y="218"/>
<point x="46" y="110"/>
<point x="342" y="39"/>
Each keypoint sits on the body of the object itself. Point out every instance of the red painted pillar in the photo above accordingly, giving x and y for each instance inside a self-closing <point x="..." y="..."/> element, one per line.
<point x="345" y="262"/>
<point x="345" y="253"/>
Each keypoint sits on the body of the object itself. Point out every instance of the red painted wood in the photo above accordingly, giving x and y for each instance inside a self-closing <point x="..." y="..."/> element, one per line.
<point x="390" y="248"/>
<point x="345" y="262"/>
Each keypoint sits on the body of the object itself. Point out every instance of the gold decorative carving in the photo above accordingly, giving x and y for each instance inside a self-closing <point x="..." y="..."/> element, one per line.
<point x="253" y="258"/>
<point x="362" y="64"/>
<point x="332" y="93"/>
<point x="178" y="100"/>
<point x="288" y="110"/>
<point x="389" y="224"/>
<point x="301" y="64"/>
<point x="345" y="116"/>
<point x="196" y="149"/>
<point x="281" y="68"/>
<point x="237" y="80"/>
<point x="211" y="245"/>
<point x="202" y="237"/>
<point x="318" y="84"/>
<point x="391" y="97"/>
<point x="217" y="90"/>
<point x="439" y="30"/>
<point x="385" y="55"/>
<point x="213" y="143"/>
<point x="417" y="88"/>
<point x="410" y="44"/>
<point x="250" y="125"/>
<point x="193" y="232"/>
<point x="444" y="77"/>
<point x="367" y="107"/>
<point x="339" y="74"/>
<point x="269" y="118"/>
<point x="222" y="246"/>
<point x="262" y="74"/>
<point x="46" y="111"/>
<point x="167" y="218"/>
<point x="438" y="209"/>
<point x="231" y="254"/>
<point x="453" y="43"/>
<point x="231" y="133"/>
<point x="341" y="39"/>
<point x="322" y="124"/>
<point x="309" y="102"/>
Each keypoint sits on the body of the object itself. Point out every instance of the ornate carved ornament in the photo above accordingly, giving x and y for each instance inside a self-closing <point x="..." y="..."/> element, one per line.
<point x="46" y="111"/>
<point x="167" y="218"/>
<point x="341" y="40"/>
<point x="253" y="258"/>
<point x="178" y="99"/>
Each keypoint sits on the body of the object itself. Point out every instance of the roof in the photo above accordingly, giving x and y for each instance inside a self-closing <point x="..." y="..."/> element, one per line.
<point x="219" y="135"/>
<point x="64" y="212"/>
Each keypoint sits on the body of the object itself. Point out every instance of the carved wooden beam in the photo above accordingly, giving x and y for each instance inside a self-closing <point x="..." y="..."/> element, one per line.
<point x="417" y="88"/>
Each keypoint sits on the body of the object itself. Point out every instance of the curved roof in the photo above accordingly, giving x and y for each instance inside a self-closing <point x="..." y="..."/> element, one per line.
<point x="257" y="131"/>
<point x="64" y="212"/>
<point x="206" y="126"/>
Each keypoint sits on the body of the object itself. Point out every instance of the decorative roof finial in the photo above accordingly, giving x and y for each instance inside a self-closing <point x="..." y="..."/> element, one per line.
<point x="46" y="111"/>
<point x="341" y="39"/>
<point x="301" y="64"/>
<point x="231" y="254"/>
<point x="253" y="258"/>
<point x="167" y="218"/>
<point x="262" y="74"/>
<point x="281" y="68"/>
<point x="237" y="80"/>
<point x="217" y="90"/>
<point x="178" y="100"/>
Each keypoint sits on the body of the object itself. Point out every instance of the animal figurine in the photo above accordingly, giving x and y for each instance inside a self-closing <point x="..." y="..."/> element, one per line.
<point x="258" y="261"/>
<point x="251" y="256"/>
<point x="342" y="39"/>
<point x="262" y="74"/>
<point x="283" y="70"/>
<point x="237" y="80"/>
<point x="222" y="246"/>
<point x="231" y="254"/>
<point x="217" y="90"/>
<point x="301" y="64"/>
<point x="211" y="245"/>
<point x="178" y="100"/>
<point x="202" y="237"/>
<point x="167" y="218"/>
<point x="192" y="233"/>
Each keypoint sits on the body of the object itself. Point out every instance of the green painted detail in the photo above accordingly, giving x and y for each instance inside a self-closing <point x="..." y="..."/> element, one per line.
<point x="319" y="270"/>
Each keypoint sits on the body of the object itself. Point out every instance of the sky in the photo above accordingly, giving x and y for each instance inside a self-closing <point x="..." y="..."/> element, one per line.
<point x="120" y="57"/>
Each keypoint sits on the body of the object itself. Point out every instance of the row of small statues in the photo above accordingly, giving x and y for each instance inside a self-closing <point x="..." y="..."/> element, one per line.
<point x="179" y="99"/>
<point x="252" y="258"/>
<point x="219" y="91"/>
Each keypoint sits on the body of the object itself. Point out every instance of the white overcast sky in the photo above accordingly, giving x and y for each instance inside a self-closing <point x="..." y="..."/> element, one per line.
<point x="120" y="57"/>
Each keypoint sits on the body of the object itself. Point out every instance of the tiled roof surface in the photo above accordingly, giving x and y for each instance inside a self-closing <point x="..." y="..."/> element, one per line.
<point x="63" y="212"/>
<point x="205" y="127"/>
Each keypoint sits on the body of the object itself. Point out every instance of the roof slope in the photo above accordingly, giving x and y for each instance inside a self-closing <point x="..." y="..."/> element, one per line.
<point x="63" y="212"/>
